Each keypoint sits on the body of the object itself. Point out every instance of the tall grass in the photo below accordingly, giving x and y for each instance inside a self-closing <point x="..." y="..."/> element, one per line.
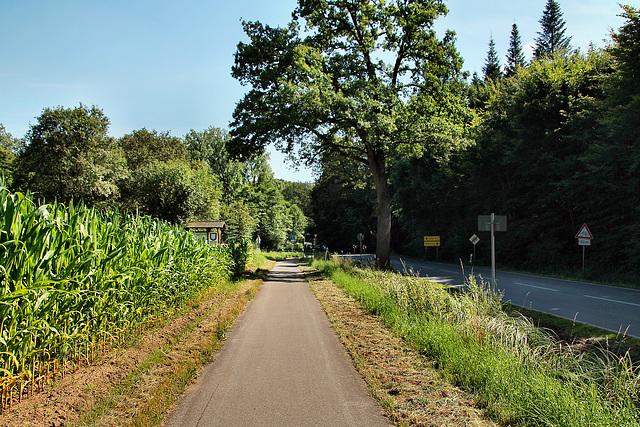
<point x="520" y="373"/>
<point x="73" y="280"/>
<point x="282" y="255"/>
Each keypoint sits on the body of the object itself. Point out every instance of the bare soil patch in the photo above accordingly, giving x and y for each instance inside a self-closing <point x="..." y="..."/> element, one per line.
<point x="408" y="387"/>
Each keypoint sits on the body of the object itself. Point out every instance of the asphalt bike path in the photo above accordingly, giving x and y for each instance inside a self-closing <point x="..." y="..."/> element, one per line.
<point x="281" y="365"/>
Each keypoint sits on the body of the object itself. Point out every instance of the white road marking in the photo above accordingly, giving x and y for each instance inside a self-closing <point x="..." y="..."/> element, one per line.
<point x="612" y="300"/>
<point x="534" y="286"/>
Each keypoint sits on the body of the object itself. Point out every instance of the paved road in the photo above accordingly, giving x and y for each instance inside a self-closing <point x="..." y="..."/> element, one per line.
<point x="281" y="365"/>
<point x="607" y="307"/>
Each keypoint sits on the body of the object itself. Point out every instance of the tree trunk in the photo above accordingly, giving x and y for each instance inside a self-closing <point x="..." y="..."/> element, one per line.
<point x="383" y="233"/>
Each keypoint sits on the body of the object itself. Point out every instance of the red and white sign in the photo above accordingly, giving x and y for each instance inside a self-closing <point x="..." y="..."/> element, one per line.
<point x="584" y="233"/>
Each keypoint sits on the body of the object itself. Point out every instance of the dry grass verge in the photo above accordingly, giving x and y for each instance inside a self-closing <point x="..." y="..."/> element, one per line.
<point x="408" y="387"/>
<point x="136" y="385"/>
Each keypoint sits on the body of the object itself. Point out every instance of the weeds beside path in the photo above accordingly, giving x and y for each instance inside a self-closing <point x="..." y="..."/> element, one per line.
<point x="409" y="389"/>
<point x="137" y="384"/>
<point x="521" y="375"/>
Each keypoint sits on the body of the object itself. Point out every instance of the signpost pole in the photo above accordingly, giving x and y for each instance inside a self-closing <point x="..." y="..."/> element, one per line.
<point x="474" y="253"/>
<point x="584" y="237"/>
<point x="474" y="239"/>
<point x="493" y="248"/>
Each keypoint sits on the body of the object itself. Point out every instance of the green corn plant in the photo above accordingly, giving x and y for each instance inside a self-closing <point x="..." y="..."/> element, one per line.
<point x="72" y="278"/>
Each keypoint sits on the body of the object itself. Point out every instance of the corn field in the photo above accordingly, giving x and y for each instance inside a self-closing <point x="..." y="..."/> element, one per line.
<point x="74" y="280"/>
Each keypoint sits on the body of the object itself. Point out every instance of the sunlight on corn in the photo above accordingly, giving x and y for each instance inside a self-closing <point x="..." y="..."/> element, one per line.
<point x="74" y="280"/>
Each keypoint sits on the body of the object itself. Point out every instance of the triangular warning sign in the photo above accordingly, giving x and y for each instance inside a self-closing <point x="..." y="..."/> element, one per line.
<point x="584" y="233"/>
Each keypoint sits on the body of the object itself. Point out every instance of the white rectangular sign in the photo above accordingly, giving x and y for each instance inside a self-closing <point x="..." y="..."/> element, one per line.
<point x="584" y="242"/>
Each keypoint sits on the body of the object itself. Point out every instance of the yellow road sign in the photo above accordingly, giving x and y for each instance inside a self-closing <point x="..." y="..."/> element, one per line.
<point x="432" y="240"/>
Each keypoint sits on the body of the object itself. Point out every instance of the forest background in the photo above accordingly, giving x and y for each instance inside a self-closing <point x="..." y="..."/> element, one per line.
<point x="552" y="144"/>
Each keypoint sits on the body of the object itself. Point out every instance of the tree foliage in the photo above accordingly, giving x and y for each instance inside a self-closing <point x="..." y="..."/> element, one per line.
<point x="343" y="203"/>
<point x="515" y="54"/>
<point x="177" y="191"/>
<point x="211" y="147"/>
<point x="556" y="147"/>
<point x="614" y="157"/>
<point x="143" y="147"/>
<point x="551" y="39"/>
<point x="68" y="155"/>
<point x="9" y="146"/>
<point x="492" y="69"/>
<point x="364" y="80"/>
<point x="164" y="182"/>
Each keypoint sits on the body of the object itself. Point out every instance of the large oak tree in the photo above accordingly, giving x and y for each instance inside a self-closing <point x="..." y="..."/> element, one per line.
<point x="69" y="155"/>
<point x="361" y="79"/>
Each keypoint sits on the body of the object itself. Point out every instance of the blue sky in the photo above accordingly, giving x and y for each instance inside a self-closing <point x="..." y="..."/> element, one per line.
<point x="165" y="65"/>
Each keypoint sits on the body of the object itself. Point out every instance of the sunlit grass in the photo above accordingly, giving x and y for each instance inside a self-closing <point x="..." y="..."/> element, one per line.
<point x="281" y="256"/>
<point x="521" y="374"/>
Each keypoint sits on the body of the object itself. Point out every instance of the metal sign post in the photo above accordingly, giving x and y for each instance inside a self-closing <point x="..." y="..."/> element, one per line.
<point x="360" y="239"/>
<point x="474" y="239"/>
<point x="492" y="223"/>
<point x="431" y="241"/>
<point x="493" y="249"/>
<point x="584" y="237"/>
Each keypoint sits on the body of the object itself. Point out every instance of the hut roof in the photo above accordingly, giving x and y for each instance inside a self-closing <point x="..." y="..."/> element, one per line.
<point x="206" y="224"/>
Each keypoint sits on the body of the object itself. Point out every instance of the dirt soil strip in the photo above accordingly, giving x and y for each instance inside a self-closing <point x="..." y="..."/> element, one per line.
<point x="407" y="386"/>
<point x="104" y="388"/>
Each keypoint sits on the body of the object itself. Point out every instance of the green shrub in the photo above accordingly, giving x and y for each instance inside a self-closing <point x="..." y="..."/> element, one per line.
<point x="241" y="256"/>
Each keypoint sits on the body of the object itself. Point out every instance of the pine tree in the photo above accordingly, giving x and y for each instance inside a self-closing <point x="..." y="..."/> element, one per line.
<point x="492" y="69"/>
<point x="551" y="39"/>
<point x="515" y="54"/>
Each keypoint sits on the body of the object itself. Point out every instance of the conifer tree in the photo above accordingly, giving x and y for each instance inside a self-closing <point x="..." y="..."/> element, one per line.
<point x="515" y="54"/>
<point x="492" y="69"/>
<point x="552" y="38"/>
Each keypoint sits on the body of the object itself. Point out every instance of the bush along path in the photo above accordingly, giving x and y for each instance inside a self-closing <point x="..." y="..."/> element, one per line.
<point x="517" y="373"/>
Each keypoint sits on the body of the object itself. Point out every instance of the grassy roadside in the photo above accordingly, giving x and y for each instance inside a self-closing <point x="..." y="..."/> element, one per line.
<point x="137" y="383"/>
<point x="583" y="338"/>
<point x="520" y="374"/>
<point x="407" y="386"/>
<point x="157" y="383"/>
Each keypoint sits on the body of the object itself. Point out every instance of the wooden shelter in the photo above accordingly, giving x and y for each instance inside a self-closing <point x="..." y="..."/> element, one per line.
<point x="209" y="231"/>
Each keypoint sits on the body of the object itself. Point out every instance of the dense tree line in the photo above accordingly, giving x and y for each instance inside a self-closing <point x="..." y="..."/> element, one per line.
<point x="68" y="156"/>
<point x="554" y="144"/>
<point x="557" y="146"/>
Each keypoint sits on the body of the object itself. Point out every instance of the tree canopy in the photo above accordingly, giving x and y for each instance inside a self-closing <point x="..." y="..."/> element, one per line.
<point x="357" y="79"/>
<point x="515" y="54"/>
<point x="492" y="68"/>
<point x="551" y="39"/>
<point x="69" y="155"/>
<point x="9" y="146"/>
